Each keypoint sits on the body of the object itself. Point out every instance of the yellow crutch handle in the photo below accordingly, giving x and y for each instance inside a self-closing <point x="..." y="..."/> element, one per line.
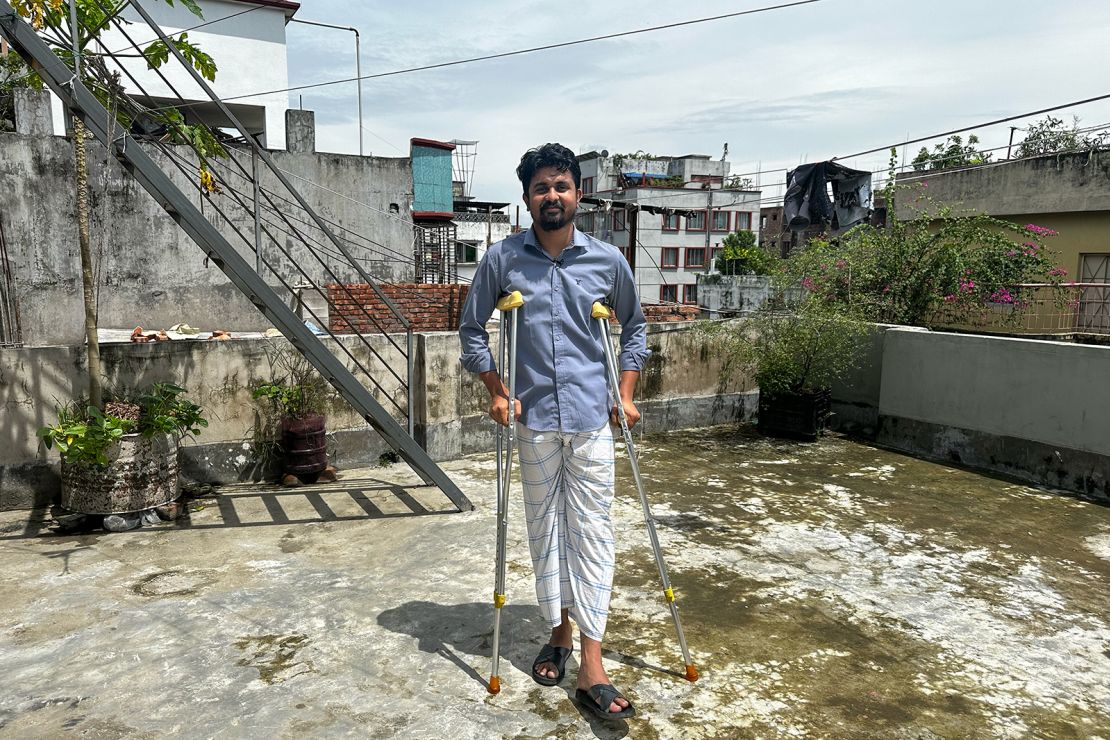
<point x="599" y="311"/>
<point x="511" y="301"/>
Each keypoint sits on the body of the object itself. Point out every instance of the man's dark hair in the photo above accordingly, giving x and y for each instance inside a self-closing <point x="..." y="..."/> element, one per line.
<point x="548" y="155"/>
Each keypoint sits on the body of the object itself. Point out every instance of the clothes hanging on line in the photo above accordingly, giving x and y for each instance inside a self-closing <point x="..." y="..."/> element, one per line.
<point x="807" y="200"/>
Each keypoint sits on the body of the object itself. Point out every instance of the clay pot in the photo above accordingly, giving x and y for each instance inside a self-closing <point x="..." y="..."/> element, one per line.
<point x="141" y="474"/>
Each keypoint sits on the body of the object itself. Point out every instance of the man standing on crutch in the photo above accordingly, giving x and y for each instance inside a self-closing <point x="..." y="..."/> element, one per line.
<point x="562" y="407"/>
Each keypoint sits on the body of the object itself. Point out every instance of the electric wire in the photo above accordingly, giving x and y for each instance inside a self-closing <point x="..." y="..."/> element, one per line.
<point x="518" y="52"/>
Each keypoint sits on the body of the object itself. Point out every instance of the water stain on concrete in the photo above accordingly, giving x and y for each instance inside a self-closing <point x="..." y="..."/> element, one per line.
<point x="174" y="583"/>
<point x="274" y="656"/>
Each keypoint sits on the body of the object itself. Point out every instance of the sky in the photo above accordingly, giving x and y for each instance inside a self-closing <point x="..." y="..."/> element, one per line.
<point x="800" y="84"/>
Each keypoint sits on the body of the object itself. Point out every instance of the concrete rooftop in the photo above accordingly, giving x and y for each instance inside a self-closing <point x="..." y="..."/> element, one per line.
<point x="826" y="590"/>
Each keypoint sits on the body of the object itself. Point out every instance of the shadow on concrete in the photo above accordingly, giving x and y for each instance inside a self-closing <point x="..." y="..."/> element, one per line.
<point x="267" y="509"/>
<point x="450" y="629"/>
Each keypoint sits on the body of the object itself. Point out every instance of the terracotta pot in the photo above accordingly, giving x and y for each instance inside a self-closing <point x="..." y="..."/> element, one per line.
<point x="141" y="474"/>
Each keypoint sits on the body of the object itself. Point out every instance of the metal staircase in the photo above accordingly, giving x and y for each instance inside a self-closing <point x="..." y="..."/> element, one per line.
<point x="292" y="225"/>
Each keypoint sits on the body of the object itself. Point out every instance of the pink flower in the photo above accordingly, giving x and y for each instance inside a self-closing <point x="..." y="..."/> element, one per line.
<point x="949" y="298"/>
<point x="1057" y="272"/>
<point x="1011" y="253"/>
<point x="808" y="284"/>
<point x="841" y="264"/>
<point x="1040" y="230"/>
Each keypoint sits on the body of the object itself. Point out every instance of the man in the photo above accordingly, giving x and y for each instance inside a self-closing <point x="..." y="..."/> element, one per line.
<point x="562" y="407"/>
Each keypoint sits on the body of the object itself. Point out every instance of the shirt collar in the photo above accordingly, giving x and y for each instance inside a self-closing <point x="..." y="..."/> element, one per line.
<point x="577" y="239"/>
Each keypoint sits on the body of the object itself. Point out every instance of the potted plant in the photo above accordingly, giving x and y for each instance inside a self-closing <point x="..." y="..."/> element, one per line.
<point x="298" y="400"/>
<point x="123" y="459"/>
<point x="795" y="351"/>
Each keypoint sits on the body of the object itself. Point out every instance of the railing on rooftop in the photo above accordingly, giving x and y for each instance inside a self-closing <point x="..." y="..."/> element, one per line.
<point x="1041" y="309"/>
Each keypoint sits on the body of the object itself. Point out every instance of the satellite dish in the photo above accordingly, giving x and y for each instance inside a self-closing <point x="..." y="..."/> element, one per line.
<point x="605" y="152"/>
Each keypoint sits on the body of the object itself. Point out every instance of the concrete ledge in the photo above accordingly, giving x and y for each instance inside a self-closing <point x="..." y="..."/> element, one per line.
<point x="1081" y="472"/>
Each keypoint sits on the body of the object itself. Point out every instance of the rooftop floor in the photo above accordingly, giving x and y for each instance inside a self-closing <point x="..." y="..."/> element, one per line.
<point x="826" y="590"/>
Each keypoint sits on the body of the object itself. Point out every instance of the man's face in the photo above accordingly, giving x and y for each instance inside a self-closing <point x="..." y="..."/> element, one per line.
<point x="552" y="198"/>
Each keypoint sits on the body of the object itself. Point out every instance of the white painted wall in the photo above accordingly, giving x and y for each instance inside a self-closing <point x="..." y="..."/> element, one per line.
<point x="249" y="51"/>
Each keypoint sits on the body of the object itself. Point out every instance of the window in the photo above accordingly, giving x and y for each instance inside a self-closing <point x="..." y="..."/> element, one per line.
<point x="762" y="222"/>
<point x="696" y="221"/>
<point x="587" y="185"/>
<point x="619" y="215"/>
<point x="668" y="293"/>
<point x="585" y="222"/>
<point x="690" y="294"/>
<point x="695" y="256"/>
<point x="669" y="258"/>
<point x="466" y="251"/>
<point x="743" y="221"/>
<point x="670" y="222"/>
<point x="720" y="220"/>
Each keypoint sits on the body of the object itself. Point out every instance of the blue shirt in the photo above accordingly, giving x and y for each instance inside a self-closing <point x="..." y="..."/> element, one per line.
<point x="561" y="376"/>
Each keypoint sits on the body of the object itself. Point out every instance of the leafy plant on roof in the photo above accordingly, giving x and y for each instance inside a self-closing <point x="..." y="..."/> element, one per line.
<point x="953" y="152"/>
<point x="1051" y="135"/>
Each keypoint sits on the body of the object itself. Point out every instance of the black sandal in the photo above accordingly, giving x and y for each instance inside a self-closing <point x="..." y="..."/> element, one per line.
<point x="557" y="656"/>
<point x="598" y="699"/>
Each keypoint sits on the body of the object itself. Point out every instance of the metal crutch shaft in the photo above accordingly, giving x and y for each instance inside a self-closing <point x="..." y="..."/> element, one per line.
<point x="602" y="314"/>
<point x="506" y="359"/>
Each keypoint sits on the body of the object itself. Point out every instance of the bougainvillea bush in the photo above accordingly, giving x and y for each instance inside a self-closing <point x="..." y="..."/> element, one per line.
<point x="934" y="265"/>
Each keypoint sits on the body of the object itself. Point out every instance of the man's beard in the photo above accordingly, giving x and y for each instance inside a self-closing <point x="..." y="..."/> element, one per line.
<point x="553" y="221"/>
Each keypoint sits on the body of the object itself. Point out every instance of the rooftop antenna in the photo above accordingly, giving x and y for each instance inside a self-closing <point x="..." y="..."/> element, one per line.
<point x="724" y="154"/>
<point x="463" y="165"/>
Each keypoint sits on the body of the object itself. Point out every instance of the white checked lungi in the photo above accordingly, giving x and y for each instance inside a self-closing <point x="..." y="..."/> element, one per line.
<point x="568" y="489"/>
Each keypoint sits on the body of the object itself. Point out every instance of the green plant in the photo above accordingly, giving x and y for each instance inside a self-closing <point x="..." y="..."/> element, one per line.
<point x="84" y="438"/>
<point x="164" y="411"/>
<point x="791" y="348"/>
<point x="84" y="433"/>
<point x="1050" y="136"/>
<point x="952" y="153"/>
<point x="289" y="399"/>
<point x="740" y="255"/>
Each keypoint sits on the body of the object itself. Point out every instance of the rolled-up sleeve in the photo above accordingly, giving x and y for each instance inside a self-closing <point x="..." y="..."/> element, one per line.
<point x="626" y="305"/>
<point x="477" y="309"/>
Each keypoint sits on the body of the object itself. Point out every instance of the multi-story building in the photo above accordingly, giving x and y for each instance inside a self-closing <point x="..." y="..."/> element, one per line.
<point x="667" y="214"/>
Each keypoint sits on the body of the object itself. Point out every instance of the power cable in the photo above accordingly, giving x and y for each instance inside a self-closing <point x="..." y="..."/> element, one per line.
<point x="546" y="47"/>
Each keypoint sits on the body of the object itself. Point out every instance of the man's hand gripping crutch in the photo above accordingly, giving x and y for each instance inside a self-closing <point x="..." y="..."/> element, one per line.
<point x="504" y="408"/>
<point x="602" y="314"/>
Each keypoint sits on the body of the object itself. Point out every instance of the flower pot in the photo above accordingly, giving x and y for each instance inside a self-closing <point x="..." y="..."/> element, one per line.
<point x="141" y="474"/>
<point x="795" y="415"/>
<point x="303" y="439"/>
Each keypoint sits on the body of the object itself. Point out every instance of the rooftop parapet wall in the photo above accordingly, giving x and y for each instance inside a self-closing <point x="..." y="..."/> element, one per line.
<point x="1062" y="183"/>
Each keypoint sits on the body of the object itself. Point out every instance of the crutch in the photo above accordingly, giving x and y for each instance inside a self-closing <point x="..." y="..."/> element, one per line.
<point x="601" y="313"/>
<point x="506" y="343"/>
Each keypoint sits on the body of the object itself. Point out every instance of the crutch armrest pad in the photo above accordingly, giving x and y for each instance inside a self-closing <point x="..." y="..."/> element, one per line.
<point x="600" y="311"/>
<point x="511" y="301"/>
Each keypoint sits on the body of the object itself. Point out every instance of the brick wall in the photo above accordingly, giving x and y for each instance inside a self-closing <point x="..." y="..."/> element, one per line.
<point x="433" y="308"/>
<point x="428" y="307"/>
<point x="667" y="312"/>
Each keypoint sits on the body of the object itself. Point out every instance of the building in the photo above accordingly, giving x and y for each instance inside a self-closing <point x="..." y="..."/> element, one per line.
<point x="667" y="214"/>
<point x="478" y="224"/>
<point x="246" y="39"/>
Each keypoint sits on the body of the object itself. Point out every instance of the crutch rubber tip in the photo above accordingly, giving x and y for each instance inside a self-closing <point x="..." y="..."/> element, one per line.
<point x="692" y="673"/>
<point x="494" y="685"/>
